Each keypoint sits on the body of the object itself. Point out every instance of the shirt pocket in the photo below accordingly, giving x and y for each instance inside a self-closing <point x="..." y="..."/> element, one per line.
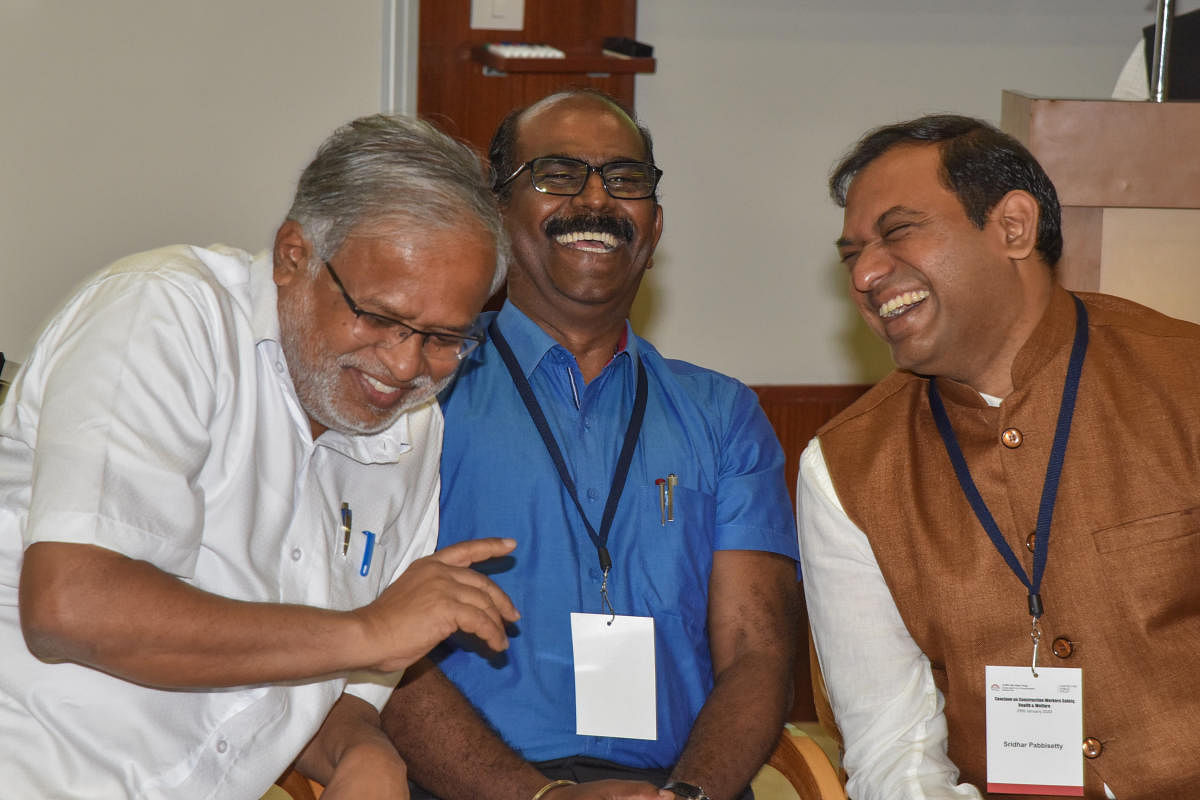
<point x="674" y="552"/>
<point x="1151" y="563"/>
<point x="352" y="589"/>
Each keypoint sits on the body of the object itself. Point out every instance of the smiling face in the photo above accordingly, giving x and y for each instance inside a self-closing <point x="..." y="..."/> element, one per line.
<point x="949" y="298"/>
<point x="584" y="254"/>
<point x="347" y="376"/>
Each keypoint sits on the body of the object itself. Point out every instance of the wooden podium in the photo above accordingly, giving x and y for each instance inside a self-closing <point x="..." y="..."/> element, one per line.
<point x="1128" y="179"/>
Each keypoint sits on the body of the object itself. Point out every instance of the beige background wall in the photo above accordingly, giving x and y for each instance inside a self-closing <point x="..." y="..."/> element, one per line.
<point x="129" y="124"/>
<point x="1163" y="242"/>
<point x="134" y="123"/>
<point x="753" y="103"/>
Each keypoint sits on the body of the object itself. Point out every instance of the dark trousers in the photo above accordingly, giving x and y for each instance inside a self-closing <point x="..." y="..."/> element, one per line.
<point x="582" y="769"/>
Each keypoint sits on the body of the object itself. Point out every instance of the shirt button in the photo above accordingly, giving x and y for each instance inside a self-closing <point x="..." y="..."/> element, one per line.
<point x="1011" y="438"/>
<point x="1092" y="748"/>
<point x="297" y="554"/>
<point x="592" y="494"/>
<point x="222" y="745"/>
<point x="1062" y="647"/>
<point x="279" y="367"/>
<point x="1030" y="541"/>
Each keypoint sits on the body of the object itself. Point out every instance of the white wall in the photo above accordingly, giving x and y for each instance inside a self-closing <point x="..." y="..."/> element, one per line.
<point x="754" y="101"/>
<point x="129" y="124"/>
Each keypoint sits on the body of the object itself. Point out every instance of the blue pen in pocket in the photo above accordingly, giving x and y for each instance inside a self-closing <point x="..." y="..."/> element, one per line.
<point x="368" y="552"/>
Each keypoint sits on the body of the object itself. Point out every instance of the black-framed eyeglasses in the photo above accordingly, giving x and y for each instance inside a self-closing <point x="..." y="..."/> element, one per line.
<point x="436" y="346"/>
<point x="624" y="180"/>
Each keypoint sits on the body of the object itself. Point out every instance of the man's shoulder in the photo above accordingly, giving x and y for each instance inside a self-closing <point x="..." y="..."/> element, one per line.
<point x="899" y="389"/>
<point x="690" y="376"/>
<point x="187" y="285"/>
<point x="1107" y="311"/>
<point x="201" y="274"/>
<point x="176" y="258"/>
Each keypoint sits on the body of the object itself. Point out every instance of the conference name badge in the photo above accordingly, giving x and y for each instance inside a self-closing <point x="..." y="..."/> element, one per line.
<point x="614" y="676"/>
<point x="1035" y="731"/>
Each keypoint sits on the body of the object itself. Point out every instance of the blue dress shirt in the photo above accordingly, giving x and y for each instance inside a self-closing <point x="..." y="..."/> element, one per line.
<point x="499" y="480"/>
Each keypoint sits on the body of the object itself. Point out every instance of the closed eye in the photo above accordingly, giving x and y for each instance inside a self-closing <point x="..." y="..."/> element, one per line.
<point x="447" y="340"/>
<point x="382" y="323"/>
<point x="896" y="231"/>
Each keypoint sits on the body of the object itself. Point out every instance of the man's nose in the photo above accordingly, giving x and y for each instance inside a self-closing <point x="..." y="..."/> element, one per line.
<point x="593" y="194"/>
<point x="405" y="360"/>
<point x="873" y="264"/>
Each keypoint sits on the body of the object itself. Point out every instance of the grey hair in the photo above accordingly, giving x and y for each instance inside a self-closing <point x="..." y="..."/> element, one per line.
<point x="392" y="170"/>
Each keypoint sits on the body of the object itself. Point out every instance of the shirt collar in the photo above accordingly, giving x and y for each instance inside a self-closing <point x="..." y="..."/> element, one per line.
<point x="264" y="298"/>
<point x="1049" y="340"/>
<point x="1052" y="336"/>
<point x="384" y="447"/>
<point x="530" y="343"/>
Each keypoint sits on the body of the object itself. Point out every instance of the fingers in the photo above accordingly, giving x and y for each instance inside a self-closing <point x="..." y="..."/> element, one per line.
<point x="472" y="551"/>
<point x="437" y="595"/>
<point x="484" y="623"/>
<point x="501" y="602"/>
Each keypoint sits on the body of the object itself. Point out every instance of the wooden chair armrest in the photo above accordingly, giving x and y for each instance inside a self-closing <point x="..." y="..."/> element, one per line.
<point x="299" y="787"/>
<point x="801" y="760"/>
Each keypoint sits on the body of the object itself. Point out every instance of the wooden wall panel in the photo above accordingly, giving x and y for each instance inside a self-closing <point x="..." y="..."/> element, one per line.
<point x="452" y="89"/>
<point x="797" y="411"/>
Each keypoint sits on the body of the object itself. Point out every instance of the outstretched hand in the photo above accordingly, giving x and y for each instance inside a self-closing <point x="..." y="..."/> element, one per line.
<point x="436" y="596"/>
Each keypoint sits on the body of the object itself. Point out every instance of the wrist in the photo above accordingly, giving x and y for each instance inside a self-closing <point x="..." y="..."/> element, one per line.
<point x="689" y="791"/>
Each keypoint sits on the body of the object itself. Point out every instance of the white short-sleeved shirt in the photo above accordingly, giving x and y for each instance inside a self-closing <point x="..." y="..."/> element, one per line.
<point x="156" y="417"/>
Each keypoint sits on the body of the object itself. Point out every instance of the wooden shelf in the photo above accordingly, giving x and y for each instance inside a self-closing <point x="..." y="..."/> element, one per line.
<point x="582" y="62"/>
<point x="470" y="94"/>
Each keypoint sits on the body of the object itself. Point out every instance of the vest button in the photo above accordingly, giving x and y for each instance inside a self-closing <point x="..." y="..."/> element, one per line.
<point x="1062" y="647"/>
<point x="1011" y="438"/>
<point x="1092" y="748"/>
<point x="1030" y="541"/>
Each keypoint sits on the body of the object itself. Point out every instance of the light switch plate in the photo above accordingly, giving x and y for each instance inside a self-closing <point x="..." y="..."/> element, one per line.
<point x="498" y="15"/>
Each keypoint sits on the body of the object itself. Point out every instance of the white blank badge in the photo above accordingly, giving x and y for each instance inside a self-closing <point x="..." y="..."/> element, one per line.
<point x="614" y="676"/>
<point x="1035" y="731"/>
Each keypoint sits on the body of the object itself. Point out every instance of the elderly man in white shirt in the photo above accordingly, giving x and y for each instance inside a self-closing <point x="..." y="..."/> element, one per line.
<point x="219" y="491"/>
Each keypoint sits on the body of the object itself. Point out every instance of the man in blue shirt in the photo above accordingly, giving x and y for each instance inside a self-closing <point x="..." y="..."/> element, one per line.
<point x="656" y="563"/>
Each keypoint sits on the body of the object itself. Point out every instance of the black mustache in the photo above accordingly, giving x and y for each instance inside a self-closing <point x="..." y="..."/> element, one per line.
<point x="621" y="228"/>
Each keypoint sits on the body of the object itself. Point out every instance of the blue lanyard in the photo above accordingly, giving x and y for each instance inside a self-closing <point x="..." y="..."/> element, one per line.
<point x="632" y="431"/>
<point x="1062" y="432"/>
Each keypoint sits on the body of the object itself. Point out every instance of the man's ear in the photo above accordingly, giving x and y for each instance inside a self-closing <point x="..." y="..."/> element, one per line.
<point x="658" y="228"/>
<point x="1017" y="215"/>
<point x="291" y="253"/>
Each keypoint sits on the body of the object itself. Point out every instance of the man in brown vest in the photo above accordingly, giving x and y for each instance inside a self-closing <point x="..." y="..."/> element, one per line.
<point x="1023" y="493"/>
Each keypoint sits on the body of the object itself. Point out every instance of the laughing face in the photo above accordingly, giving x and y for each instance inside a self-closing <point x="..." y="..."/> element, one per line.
<point x="586" y="253"/>
<point x="348" y="376"/>
<point x="948" y="298"/>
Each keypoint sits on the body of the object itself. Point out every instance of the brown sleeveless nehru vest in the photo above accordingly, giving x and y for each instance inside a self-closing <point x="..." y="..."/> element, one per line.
<point x="1122" y="583"/>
